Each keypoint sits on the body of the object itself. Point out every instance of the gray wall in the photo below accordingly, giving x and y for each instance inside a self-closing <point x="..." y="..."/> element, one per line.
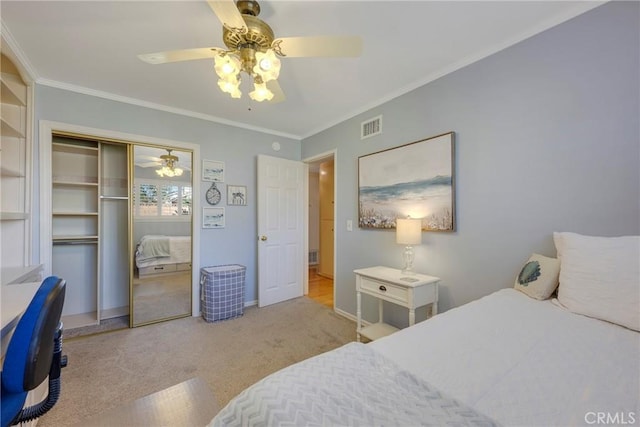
<point x="547" y="140"/>
<point x="238" y="148"/>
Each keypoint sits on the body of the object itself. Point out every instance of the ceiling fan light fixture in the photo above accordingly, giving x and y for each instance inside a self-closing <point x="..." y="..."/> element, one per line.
<point x="267" y="65"/>
<point x="166" y="171"/>
<point x="169" y="167"/>
<point x="261" y="93"/>
<point x="230" y="85"/>
<point x="251" y="47"/>
<point x="227" y="65"/>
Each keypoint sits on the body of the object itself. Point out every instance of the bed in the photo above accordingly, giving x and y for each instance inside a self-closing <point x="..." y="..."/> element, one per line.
<point x="156" y="254"/>
<point x="515" y="357"/>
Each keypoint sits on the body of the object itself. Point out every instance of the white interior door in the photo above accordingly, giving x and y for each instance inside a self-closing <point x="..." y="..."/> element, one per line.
<point x="280" y="229"/>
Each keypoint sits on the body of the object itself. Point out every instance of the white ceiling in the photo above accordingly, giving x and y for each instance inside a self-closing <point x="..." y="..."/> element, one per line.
<point x="91" y="46"/>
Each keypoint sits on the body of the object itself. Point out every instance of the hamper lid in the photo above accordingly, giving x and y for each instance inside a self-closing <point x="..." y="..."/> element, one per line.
<point x="223" y="268"/>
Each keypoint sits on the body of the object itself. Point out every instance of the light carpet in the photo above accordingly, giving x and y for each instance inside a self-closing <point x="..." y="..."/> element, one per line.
<point x="106" y="325"/>
<point x="109" y="369"/>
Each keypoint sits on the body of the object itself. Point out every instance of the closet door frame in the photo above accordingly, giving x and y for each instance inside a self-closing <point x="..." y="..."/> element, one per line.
<point x="48" y="128"/>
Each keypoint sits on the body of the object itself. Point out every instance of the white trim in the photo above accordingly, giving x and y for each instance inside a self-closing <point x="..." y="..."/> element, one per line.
<point x="45" y="137"/>
<point x="11" y="48"/>
<point x="146" y="104"/>
<point x="305" y="230"/>
<point x="350" y="316"/>
<point x="28" y="173"/>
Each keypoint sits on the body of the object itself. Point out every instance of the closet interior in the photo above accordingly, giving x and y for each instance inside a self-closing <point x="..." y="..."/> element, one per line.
<point x="95" y="212"/>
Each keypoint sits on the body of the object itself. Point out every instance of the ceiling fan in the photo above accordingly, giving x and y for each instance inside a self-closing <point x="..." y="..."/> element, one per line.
<point x="253" y="49"/>
<point x="167" y="164"/>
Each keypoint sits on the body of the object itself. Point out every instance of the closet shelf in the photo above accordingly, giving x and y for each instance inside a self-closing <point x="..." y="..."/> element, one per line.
<point x="13" y="216"/>
<point x="11" y="173"/>
<point x="71" y="148"/>
<point x="13" y="90"/>
<point x="76" y="183"/>
<point x="9" y="130"/>
<point x="75" y="213"/>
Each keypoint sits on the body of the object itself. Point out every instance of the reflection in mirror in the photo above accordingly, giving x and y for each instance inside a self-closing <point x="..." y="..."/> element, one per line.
<point x="161" y="234"/>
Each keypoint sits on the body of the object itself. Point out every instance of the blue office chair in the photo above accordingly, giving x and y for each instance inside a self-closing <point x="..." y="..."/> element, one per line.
<point x="35" y="351"/>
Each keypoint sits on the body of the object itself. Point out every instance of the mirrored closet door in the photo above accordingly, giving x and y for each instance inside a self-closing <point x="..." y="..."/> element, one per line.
<point x="160" y="234"/>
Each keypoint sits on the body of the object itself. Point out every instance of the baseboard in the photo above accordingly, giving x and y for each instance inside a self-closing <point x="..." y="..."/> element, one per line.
<point x="345" y="314"/>
<point x="250" y="303"/>
<point x="350" y="316"/>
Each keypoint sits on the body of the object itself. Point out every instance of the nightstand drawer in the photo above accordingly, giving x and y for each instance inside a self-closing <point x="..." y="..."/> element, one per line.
<point x="384" y="290"/>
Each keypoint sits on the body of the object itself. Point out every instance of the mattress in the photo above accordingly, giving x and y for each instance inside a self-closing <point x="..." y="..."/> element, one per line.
<point x="507" y="357"/>
<point x="162" y="250"/>
<point x="525" y="362"/>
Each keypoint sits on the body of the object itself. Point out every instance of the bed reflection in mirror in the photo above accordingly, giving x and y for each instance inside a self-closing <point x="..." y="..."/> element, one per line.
<point x="161" y="235"/>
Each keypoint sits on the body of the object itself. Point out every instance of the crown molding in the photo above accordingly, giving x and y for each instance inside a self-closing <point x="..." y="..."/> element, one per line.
<point x="13" y="51"/>
<point x="558" y="19"/>
<point x="152" y="105"/>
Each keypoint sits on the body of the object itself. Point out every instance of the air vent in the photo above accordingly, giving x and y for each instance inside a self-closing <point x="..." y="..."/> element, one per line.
<point x="371" y="127"/>
<point x="313" y="257"/>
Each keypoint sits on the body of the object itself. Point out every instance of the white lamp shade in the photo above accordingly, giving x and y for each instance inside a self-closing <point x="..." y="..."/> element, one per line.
<point x="409" y="231"/>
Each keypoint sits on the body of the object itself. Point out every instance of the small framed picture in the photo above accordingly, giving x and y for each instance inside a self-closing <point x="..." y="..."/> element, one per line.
<point x="212" y="217"/>
<point x="236" y="195"/>
<point x="212" y="170"/>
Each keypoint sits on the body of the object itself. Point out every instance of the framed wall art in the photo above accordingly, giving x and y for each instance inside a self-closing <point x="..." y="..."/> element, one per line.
<point x="415" y="180"/>
<point x="212" y="170"/>
<point x="212" y="217"/>
<point x="237" y="195"/>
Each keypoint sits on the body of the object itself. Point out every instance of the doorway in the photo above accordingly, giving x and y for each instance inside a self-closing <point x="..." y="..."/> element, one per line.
<point x="321" y="231"/>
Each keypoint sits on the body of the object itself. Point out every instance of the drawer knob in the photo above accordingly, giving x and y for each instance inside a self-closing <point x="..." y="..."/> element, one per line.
<point x="383" y="288"/>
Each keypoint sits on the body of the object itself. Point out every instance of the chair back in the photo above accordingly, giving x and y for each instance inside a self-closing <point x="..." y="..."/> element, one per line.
<point x="30" y="351"/>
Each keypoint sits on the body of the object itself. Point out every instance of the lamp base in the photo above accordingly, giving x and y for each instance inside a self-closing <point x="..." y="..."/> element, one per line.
<point x="408" y="256"/>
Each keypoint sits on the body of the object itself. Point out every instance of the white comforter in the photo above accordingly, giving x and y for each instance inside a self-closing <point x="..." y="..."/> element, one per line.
<point x="525" y="362"/>
<point x="352" y="386"/>
<point x="148" y="254"/>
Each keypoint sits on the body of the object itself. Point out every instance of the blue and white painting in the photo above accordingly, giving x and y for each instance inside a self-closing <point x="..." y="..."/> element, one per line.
<point x="413" y="180"/>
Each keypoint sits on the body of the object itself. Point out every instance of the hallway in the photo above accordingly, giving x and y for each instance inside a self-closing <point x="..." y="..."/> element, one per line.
<point x="320" y="288"/>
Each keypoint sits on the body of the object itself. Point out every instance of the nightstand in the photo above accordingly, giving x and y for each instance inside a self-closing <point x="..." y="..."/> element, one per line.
<point x="388" y="284"/>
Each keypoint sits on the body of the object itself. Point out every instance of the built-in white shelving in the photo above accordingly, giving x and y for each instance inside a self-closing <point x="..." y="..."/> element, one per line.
<point x="15" y="158"/>
<point x="75" y="204"/>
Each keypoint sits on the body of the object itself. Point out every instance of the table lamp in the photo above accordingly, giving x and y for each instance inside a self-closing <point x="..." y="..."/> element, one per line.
<point x="408" y="232"/>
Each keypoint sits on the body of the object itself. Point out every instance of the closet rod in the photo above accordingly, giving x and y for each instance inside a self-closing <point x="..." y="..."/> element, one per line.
<point x="114" y="197"/>
<point x="75" y="242"/>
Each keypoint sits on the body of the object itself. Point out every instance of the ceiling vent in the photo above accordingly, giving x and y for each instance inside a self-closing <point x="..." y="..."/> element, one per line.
<point x="371" y="127"/>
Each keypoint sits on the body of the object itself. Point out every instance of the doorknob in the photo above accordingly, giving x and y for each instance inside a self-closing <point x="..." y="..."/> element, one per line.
<point x="263" y="238"/>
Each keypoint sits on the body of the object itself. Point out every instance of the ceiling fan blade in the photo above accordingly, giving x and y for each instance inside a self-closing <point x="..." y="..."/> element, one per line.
<point x="278" y="94"/>
<point x="180" y="55"/>
<point x="327" y="46"/>
<point x="229" y="15"/>
<point x="148" y="164"/>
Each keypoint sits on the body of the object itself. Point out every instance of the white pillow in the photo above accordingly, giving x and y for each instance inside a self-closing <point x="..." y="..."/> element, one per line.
<point x="538" y="277"/>
<point x="600" y="277"/>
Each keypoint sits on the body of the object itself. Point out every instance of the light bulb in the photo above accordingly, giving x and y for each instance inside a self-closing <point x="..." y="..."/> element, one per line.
<point x="226" y="66"/>
<point x="261" y="93"/>
<point x="231" y="86"/>
<point x="267" y="65"/>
